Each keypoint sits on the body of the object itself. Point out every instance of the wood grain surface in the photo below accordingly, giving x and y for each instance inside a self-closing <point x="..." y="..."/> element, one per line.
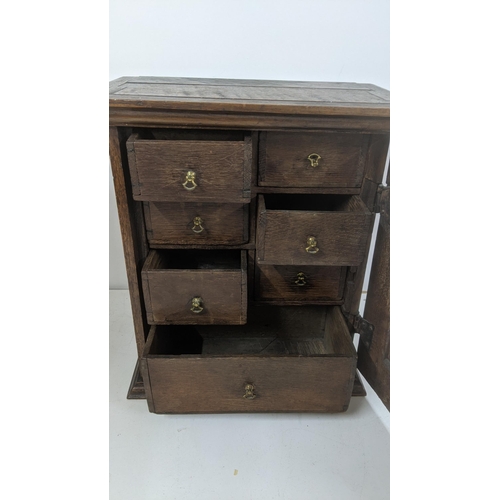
<point x="172" y="223"/>
<point x="341" y="233"/>
<point x="374" y="359"/>
<point x="216" y="384"/>
<point x="169" y="291"/>
<point x="133" y="232"/>
<point x="320" y="284"/>
<point x="159" y="169"/>
<point x="348" y="99"/>
<point x="283" y="159"/>
<point x="259" y="199"/>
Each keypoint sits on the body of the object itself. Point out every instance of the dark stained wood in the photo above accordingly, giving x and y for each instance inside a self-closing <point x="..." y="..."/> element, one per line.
<point x="242" y="96"/>
<point x="217" y="385"/>
<point x="133" y="234"/>
<point x="214" y="383"/>
<point x="316" y="284"/>
<point x="159" y="169"/>
<point x="138" y="390"/>
<point x="208" y="119"/>
<point x="377" y="158"/>
<point x="300" y="190"/>
<point x="260" y="199"/>
<point x="170" y="288"/>
<point x="172" y="223"/>
<point x="283" y="159"/>
<point x="374" y="361"/>
<point x="340" y="225"/>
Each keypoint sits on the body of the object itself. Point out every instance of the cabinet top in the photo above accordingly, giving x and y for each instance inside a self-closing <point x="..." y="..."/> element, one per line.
<point x="249" y="96"/>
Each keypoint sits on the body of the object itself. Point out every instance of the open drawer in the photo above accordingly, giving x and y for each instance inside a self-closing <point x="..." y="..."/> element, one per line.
<point x="312" y="230"/>
<point x="190" y="165"/>
<point x="284" y="360"/>
<point x="195" y="287"/>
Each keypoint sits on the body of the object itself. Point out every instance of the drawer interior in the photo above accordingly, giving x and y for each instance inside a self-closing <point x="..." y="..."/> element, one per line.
<point x="270" y="331"/>
<point x="314" y="203"/>
<point x="194" y="260"/>
<point x="189" y="135"/>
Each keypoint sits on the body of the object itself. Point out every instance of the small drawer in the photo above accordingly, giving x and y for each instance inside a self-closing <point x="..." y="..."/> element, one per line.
<point x="312" y="230"/>
<point x="196" y="223"/>
<point x="285" y="359"/>
<point x="312" y="159"/>
<point x="190" y="166"/>
<point x="300" y="285"/>
<point x="195" y="287"/>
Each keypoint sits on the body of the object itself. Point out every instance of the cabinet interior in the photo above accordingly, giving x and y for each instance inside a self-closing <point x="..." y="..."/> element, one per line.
<point x="195" y="259"/>
<point x="314" y="202"/>
<point x="270" y="331"/>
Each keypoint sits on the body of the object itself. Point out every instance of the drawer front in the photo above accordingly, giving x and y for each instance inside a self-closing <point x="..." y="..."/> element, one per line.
<point x="196" y="223"/>
<point x="307" y="285"/>
<point x="288" y="237"/>
<point x="306" y="159"/>
<point x="218" y="385"/>
<point x="170" y="297"/>
<point x="164" y="170"/>
<point x="195" y="296"/>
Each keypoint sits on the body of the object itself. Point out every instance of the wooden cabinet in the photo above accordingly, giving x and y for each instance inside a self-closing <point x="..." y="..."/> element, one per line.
<point x="246" y="209"/>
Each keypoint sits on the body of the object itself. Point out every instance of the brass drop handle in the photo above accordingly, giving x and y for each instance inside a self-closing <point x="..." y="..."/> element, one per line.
<point x="249" y="392"/>
<point x="301" y="279"/>
<point x="196" y="305"/>
<point x="197" y="225"/>
<point x="312" y="245"/>
<point x="314" y="159"/>
<point x="190" y="179"/>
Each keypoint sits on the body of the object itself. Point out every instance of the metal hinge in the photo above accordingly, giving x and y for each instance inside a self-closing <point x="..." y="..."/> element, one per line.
<point x="382" y="200"/>
<point x="361" y="326"/>
<point x="383" y="205"/>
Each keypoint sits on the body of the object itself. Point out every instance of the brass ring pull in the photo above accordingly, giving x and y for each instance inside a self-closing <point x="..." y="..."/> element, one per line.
<point x="301" y="279"/>
<point x="196" y="306"/>
<point x="190" y="179"/>
<point x="249" y="392"/>
<point x="312" y="245"/>
<point x="314" y="159"/>
<point x="197" y="225"/>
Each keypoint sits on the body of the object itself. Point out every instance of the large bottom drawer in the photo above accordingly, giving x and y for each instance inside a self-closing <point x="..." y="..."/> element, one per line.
<point x="284" y="360"/>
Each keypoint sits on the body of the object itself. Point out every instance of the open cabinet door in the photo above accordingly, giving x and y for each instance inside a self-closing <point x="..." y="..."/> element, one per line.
<point x="373" y="353"/>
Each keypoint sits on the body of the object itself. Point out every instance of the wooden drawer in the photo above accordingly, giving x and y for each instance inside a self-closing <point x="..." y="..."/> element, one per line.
<point x="190" y="166"/>
<point x="312" y="230"/>
<point x="195" y="287"/>
<point x="284" y="159"/>
<point x="285" y="359"/>
<point x="300" y="285"/>
<point x="196" y="223"/>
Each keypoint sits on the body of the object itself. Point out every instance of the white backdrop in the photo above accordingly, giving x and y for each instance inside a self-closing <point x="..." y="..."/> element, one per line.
<point x="318" y="40"/>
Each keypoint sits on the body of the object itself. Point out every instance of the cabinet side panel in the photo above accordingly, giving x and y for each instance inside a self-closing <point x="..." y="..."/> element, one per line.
<point x="374" y="358"/>
<point x="133" y="234"/>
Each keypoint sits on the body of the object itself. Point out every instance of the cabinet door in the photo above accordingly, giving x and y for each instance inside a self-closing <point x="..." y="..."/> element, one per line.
<point x="373" y="357"/>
